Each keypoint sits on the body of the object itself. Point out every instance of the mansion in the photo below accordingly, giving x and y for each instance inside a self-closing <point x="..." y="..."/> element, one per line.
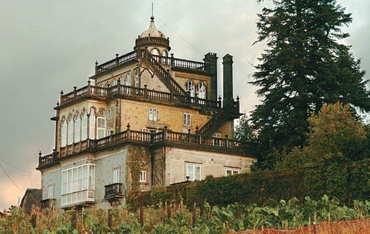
<point x="145" y="118"/>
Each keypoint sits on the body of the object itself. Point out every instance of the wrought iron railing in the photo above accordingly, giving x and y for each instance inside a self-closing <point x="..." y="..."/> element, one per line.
<point x="113" y="191"/>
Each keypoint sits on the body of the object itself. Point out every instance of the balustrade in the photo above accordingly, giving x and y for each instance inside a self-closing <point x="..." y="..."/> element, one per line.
<point x="169" y="137"/>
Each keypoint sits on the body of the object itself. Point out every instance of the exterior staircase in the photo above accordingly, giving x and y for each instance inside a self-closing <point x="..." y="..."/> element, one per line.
<point x="230" y="111"/>
<point x="163" y="75"/>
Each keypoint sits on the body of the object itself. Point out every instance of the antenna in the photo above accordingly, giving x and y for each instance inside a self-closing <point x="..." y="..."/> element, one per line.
<point x="152" y="10"/>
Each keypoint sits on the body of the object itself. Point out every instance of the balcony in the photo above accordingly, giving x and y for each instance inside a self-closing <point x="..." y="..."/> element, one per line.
<point x="113" y="192"/>
<point x="167" y="61"/>
<point x="166" y="137"/>
<point x="129" y="92"/>
<point x="48" y="203"/>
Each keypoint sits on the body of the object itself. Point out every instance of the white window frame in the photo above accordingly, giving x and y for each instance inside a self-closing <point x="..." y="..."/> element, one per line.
<point x="115" y="176"/>
<point x="77" y="133"/>
<point x="63" y="133"/>
<point x="101" y="125"/>
<point x="192" y="171"/>
<point x="231" y="171"/>
<point x="153" y="114"/>
<point x="190" y="88"/>
<point x="186" y="119"/>
<point x="78" y="184"/>
<point x="84" y="126"/>
<point x="92" y="124"/>
<point x="50" y="192"/>
<point x="142" y="178"/>
<point x="70" y="130"/>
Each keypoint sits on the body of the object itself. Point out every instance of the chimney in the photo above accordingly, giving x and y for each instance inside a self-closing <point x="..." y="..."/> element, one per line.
<point x="228" y="78"/>
<point x="210" y="65"/>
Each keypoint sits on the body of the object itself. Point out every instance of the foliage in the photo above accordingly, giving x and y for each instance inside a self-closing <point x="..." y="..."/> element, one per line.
<point x="244" y="131"/>
<point x="290" y="214"/>
<point x="303" y="68"/>
<point x="335" y="135"/>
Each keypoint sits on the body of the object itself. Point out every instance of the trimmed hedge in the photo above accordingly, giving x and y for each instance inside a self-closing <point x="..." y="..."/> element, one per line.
<point x="346" y="181"/>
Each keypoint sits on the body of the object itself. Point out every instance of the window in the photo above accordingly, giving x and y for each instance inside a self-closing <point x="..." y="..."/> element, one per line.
<point x="115" y="176"/>
<point x="78" y="184"/>
<point x="70" y="130"/>
<point x="137" y="79"/>
<point x="201" y="88"/>
<point x="153" y="114"/>
<point x="92" y="124"/>
<point x="50" y="192"/>
<point x="84" y="125"/>
<point x="114" y="83"/>
<point x="128" y="83"/>
<point x="142" y="176"/>
<point x="128" y="79"/>
<point x="230" y="172"/>
<point x="190" y="88"/>
<point x="101" y="125"/>
<point x="164" y="58"/>
<point x="193" y="171"/>
<point x="216" y="140"/>
<point x="110" y="113"/>
<point x="186" y="119"/>
<point x="155" y="52"/>
<point x="77" y="128"/>
<point x="63" y="133"/>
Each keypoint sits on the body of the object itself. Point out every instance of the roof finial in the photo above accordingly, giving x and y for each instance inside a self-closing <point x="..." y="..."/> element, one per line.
<point x="152" y="18"/>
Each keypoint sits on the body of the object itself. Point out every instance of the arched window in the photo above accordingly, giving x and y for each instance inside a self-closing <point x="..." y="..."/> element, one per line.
<point x="77" y="128"/>
<point x="92" y="124"/>
<point x="190" y="88"/>
<point x="101" y="124"/>
<point x="137" y="80"/>
<point x="128" y="83"/>
<point x="84" y="125"/>
<point x="201" y="88"/>
<point x="155" y="52"/>
<point x="63" y="132"/>
<point x="70" y="130"/>
<point x="114" y="83"/>
<point x="164" y="59"/>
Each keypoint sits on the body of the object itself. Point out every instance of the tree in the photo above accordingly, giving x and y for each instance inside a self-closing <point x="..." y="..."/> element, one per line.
<point x="303" y="68"/>
<point x="244" y="131"/>
<point x="335" y="135"/>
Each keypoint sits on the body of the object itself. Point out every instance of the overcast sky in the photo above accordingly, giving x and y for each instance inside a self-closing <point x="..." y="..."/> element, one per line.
<point x="47" y="46"/>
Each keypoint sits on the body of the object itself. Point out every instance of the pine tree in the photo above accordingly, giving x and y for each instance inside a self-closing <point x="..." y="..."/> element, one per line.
<point x="303" y="68"/>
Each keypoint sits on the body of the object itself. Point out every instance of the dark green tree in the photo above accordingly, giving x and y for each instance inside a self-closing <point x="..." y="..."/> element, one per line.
<point x="303" y="68"/>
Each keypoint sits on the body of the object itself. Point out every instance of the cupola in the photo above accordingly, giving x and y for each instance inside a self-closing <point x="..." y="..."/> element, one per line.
<point x="153" y="39"/>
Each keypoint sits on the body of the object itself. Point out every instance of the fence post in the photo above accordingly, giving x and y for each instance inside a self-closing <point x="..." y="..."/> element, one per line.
<point x="110" y="218"/>
<point x="142" y="216"/>
<point x="194" y="214"/>
<point x="33" y="220"/>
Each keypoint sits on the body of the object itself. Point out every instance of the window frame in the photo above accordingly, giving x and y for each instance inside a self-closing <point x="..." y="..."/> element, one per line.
<point x="192" y="174"/>
<point x="186" y="119"/>
<point x="233" y="171"/>
<point x="153" y="114"/>
<point x="143" y="176"/>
